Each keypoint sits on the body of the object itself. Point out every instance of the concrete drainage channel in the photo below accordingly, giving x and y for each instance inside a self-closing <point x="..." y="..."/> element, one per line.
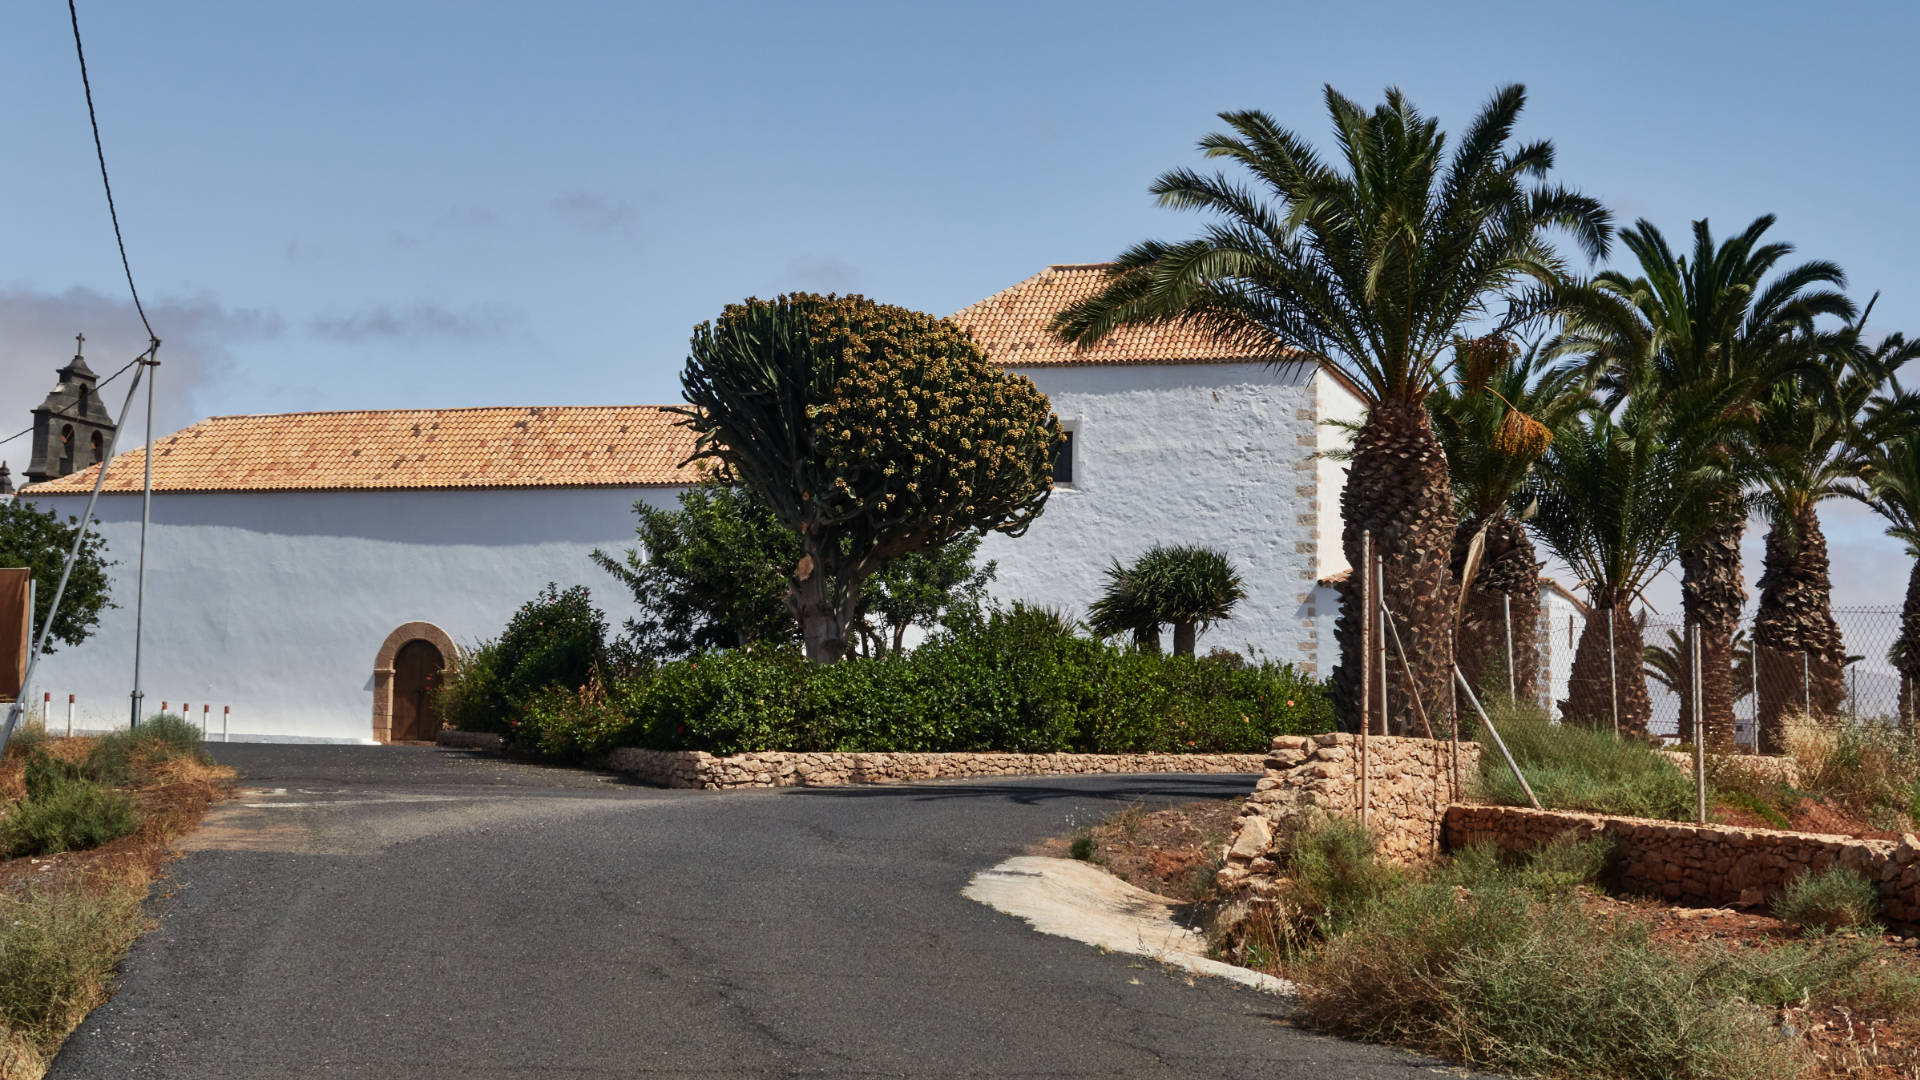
<point x="1070" y="899"/>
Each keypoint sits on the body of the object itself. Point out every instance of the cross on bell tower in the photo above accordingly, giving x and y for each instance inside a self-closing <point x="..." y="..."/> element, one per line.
<point x="72" y="428"/>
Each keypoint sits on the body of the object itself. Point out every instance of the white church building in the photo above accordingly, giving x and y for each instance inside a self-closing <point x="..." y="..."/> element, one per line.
<point x="309" y="571"/>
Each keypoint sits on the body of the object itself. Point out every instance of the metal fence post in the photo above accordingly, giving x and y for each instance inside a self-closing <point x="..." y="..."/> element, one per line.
<point x="69" y="716"/>
<point x="1699" y="734"/>
<point x="1806" y="682"/>
<point x="1500" y="743"/>
<point x="1380" y="631"/>
<point x="1513" y="685"/>
<point x="1366" y="666"/>
<point x="1613" y="677"/>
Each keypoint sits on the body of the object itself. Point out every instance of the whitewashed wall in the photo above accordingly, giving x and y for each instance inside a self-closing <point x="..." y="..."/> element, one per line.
<point x="1561" y="622"/>
<point x="276" y="602"/>
<point x="1218" y="454"/>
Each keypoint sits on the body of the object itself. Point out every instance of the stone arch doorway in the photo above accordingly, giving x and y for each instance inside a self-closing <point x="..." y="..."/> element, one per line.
<point x="405" y="670"/>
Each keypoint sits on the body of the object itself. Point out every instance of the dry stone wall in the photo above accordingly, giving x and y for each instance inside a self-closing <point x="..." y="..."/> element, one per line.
<point x="698" y="769"/>
<point x="1778" y="770"/>
<point x="1410" y="784"/>
<point x="1705" y="864"/>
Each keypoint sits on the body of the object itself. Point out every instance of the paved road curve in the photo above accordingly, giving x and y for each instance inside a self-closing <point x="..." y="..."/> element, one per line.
<point x="418" y="912"/>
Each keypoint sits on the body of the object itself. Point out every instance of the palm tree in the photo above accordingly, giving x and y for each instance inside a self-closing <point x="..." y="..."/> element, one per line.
<point x="1610" y="493"/>
<point x="1492" y="391"/>
<point x="1807" y="449"/>
<point x="1121" y="610"/>
<point x="1705" y="336"/>
<point x="1666" y="664"/>
<point x="1370" y="267"/>
<point x="1189" y="587"/>
<point x="1890" y="486"/>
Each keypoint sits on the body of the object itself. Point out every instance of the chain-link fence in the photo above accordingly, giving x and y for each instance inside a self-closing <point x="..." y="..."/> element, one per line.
<point x="1638" y="670"/>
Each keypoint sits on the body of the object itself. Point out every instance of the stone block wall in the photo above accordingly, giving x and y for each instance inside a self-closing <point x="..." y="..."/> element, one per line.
<point x="1716" y="865"/>
<point x="698" y="769"/>
<point x="1410" y="784"/>
<point x="1779" y="770"/>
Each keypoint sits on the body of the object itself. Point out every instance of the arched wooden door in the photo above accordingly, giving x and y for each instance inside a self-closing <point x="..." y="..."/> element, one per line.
<point x="416" y="671"/>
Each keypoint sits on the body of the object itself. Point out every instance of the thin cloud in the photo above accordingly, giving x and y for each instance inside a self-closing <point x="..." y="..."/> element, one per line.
<point x="822" y="275"/>
<point x="199" y="336"/>
<point x="596" y="212"/>
<point x="417" y="323"/>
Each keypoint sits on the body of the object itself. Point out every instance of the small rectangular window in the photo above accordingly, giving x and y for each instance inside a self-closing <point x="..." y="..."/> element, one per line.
<point x="1063" y="460"/>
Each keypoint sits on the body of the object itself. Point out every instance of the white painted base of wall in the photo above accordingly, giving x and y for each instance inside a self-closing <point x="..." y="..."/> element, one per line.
<point x="275" y="603"/>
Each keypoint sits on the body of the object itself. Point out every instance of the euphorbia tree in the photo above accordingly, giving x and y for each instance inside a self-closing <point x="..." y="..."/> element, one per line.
<point x="872" y="431"/>
<point x="1372" y="264"/>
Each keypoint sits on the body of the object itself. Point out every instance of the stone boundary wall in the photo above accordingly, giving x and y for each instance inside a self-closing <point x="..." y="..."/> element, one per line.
<point x="1410" y="784"/>
<point x="1779" y="770"/>
<point x="1716" y="865"/>
<point x="699" y="769"/>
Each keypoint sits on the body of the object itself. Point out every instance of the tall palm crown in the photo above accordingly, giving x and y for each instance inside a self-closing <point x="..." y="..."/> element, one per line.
<point x="1480" y="394"/>
<point x="1371" y="266"/>
<point x="1372" y="269"/>
<point x="1704" y="335"/>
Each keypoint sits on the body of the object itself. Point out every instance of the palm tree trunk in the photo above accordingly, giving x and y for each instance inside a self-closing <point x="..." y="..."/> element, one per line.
<point x="1712" y="595"/>
<point x="1183" y="637"/>
<point x="1147" y="639"/>
<point x="1398" y="489"/>
<point x="1906" y="650"/>
<point x="1802" y="659"/>
<point x="1589" y="701"/>
<point x="1509" y="576"/>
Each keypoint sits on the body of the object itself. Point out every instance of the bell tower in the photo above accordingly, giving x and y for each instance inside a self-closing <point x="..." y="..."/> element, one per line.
<point x="72" y="428"/>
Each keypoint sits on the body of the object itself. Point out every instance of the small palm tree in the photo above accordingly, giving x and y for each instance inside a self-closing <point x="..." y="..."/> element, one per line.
<point x="1703" y="337"/>
<point x="1121" y="610"/>
<point x="1371" y="266"/>
<point x="1666" y="664"/>
<point x="1481" y="415"/>
<point x="1890" y="486"/>
<point x="1610" y="495"/>
<point x="1190" y="588"/>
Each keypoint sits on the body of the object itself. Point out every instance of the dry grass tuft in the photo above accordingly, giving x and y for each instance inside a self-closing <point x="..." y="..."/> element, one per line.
<point x="66" y="920"/>
<point x="60" y="942"/>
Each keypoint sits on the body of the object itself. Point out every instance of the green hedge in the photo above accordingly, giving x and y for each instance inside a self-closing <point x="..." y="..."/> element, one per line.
<point x="1013" y="683"/>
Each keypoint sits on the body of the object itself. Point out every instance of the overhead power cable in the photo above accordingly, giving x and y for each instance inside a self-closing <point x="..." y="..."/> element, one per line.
<point x="101" y="153"/>
<point x="98" y="386"/>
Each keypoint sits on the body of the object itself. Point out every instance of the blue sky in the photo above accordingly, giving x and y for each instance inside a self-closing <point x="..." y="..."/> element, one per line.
<point x="377" y="205"/>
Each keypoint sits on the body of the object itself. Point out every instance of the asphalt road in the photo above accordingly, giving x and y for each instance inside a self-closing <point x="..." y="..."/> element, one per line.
<point x="420" y="912"/>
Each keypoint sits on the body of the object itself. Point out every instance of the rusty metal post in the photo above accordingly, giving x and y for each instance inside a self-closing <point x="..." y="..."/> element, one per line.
<point x="1365" y="570"/>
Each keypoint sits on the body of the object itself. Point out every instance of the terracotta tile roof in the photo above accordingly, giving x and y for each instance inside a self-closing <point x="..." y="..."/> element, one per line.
<point x="573" y="446"/>
<point x="1012" y="324"/>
